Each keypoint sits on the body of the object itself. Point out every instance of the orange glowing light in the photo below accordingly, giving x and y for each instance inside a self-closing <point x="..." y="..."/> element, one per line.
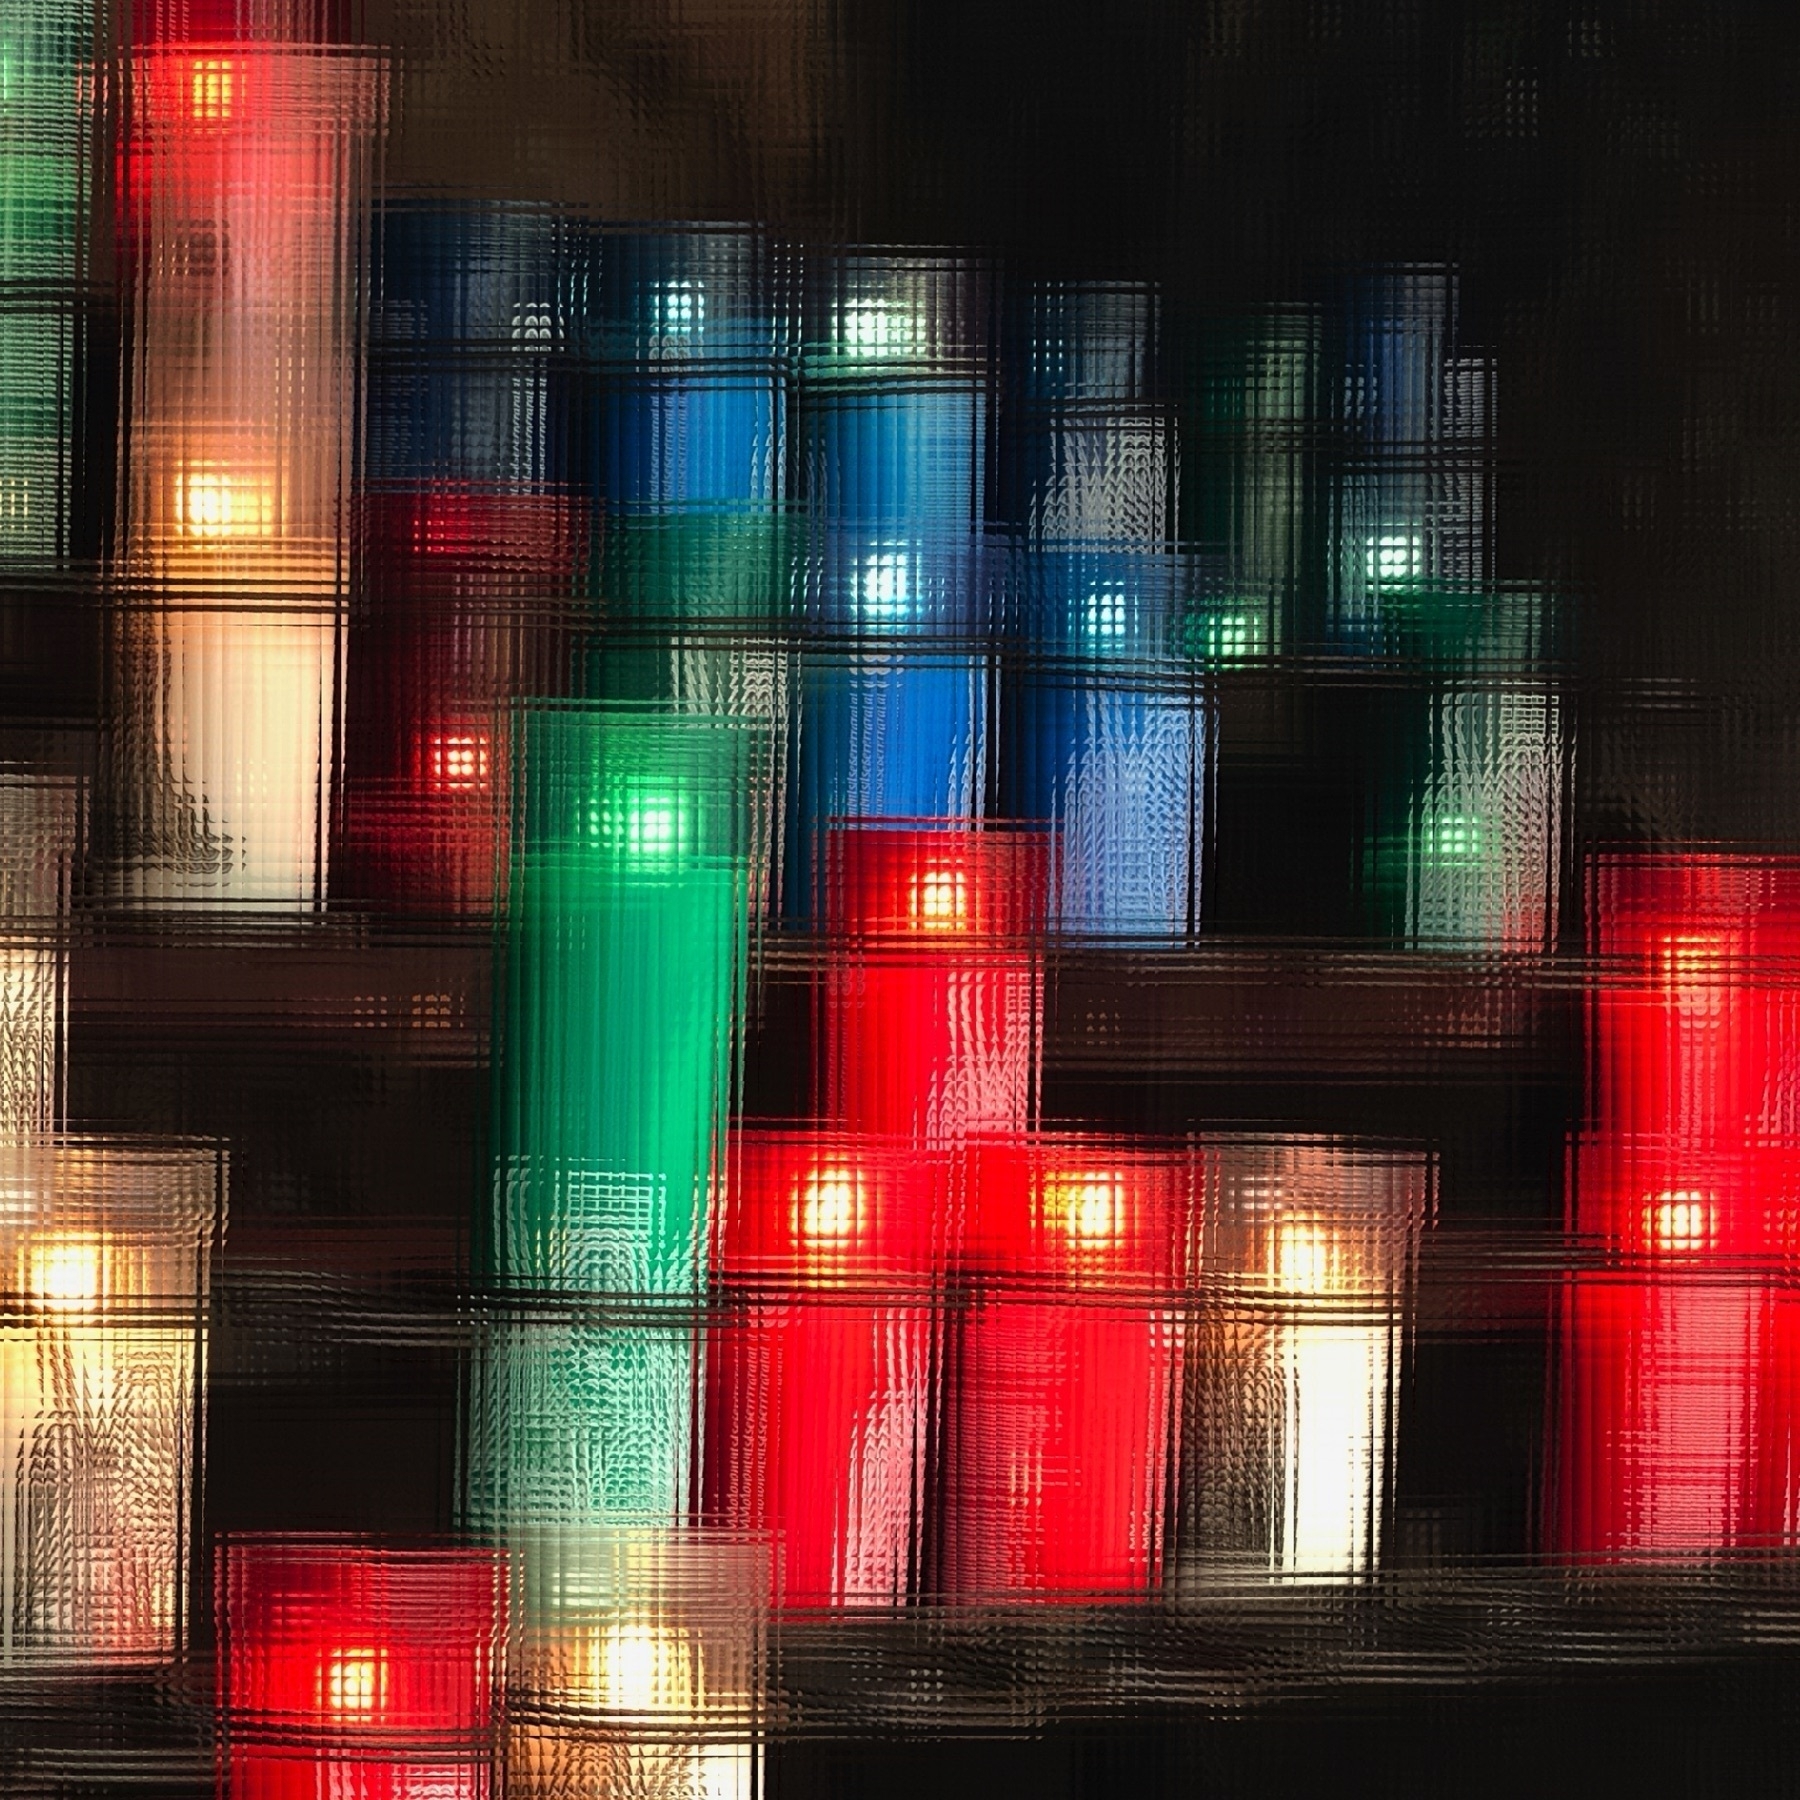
<point x="66" y="1272"/>
<point x="1308" y="1257"/>
<point x="212" y="502"/>
<point x="1088" y="1207"/>
<point x="212" y="90"/>
<point x="828" y="1206"/>
<point x="940" y="900"/>
<point x="1688" y="960"/>
<point x="456" y="762"/>
<point x="633" y="1666"/>
<point x="355" y="1681"/>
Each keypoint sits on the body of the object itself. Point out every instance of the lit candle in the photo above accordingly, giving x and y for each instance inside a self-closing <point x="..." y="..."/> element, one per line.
<point x="637" y="1664"/>
<point x="820" y="1377"/>
<point x="475" y="541"/>
<point x="620" y="1000"/>
<point x="104" y="1258"/>
<point x="1103" y="741"/>
<point x="1063" y="1370"/>
<point x="931" y="1005"/>
<point x="1306" y="1267"/>
<point x="1466" y="848"/>
<point x="243" y="189"/>
<point x="1249" y="426"/>
<point x="892" y="431"/>
<point x="347" y="1667"/>
<point x="1676" y="1414"/>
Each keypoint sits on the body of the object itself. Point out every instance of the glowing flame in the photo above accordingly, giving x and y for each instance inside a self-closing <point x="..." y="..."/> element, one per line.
<point x="653" y="827"/>
<point x="212" y="90"/>
<point x="1688" y="960"/>
<point x="456" y="762"/>
<point x="355" y="1681"/>
<point x="1678" y="1221"/>
<point x="66" y="1272"/>
<point x="1089" y="1207"/>
<point x="635" y="1666"/>
<point x="940" y="900"/>
<point x="1309" y="1257"/>
<point x="874" y="328"/>
<point x="829" y="1205"/>
<point x="212" y="502"/>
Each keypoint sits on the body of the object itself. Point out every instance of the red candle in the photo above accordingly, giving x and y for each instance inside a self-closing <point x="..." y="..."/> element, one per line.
<point x="933" y="1008"/>
<point x="1676" y="1415"/>
<point x="1063" y="1367"/>
<point x="459" y="574"/>
<point x="346" y="1668"/>
<point x="820" y="1377"/>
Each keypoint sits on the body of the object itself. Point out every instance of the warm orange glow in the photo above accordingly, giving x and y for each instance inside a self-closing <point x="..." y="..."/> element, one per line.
<point x="212" y="90"/>
<point x="355" y="1681"/>
<point x="213" y="501"/>
<point x="1679" y="1220"/>
<point x="828" y="1206"/>
<point x="66" y="1272"/>
<point x="1088" y="1207"/>
<point x="456" y="762"/>
<point x="1688" y="959"/>
<point x="940" y="900"/>
<point x="633" y="1665"/>
<point x="1308" y="1258"/>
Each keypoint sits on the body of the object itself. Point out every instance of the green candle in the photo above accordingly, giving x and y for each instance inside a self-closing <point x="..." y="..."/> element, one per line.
<point x="621" y="993"/>
<point x="1464" y="840"/>
<point x="621" y="997"/>
<point x="43" y="138"/>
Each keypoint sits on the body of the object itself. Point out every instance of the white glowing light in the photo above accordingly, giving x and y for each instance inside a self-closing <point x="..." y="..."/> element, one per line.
<point x="66" y="1272"/>
<point x="1228" y="637"/>
<point x="874" y="328"/>
<point x="940" y="900"/>
<point x="884" y="587"/>
<point x="1395" y="556"/>
<point x="677" y="309"/>
<point x="1090" y="1208"/>
<point x="457" y="762"/>
<point x="1679" y="1220"/>
<point x="635" y="1666"/>
<point x="1107" y="614"/>
<point x="829" y="1206"/>
<point x="212" y="90"/>
<point x="1454" y="837"/>
<point x="1307" y="1260"/>
<point x="213" y="502"/>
